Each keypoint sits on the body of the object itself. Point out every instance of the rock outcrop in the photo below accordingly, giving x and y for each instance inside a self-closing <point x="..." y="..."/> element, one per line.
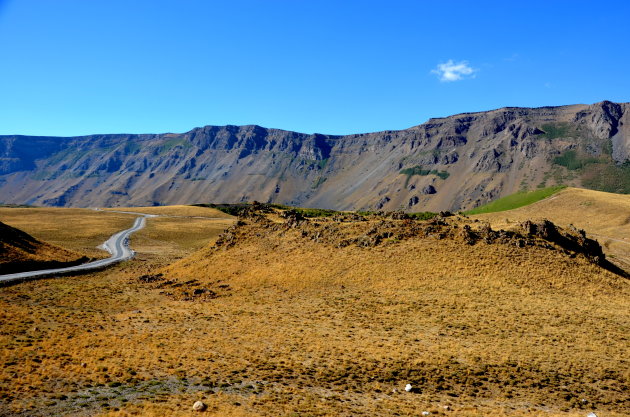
<point x="375" y="229"/>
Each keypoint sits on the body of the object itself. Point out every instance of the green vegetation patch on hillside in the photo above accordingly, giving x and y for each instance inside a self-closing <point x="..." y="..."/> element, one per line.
<point x="597" y="173"/>
<point x="319" y="163"/>
<point x="319" y="181"/>
<point x="516" y="200"/>
<point x="238" y="209"/>
<point x="422" y="215"/>
<point x="169" y="144"/>
<point x="16" y="206"/>
<point x="418" y="170"/>
<point x="131" y="147"/>
<point x="42" y="175"/>
<point x="307" y="212"/>
<point x="574" y="161"/>
<point x="231" y="209"/>
<point x="608" y="177"/>
<point x="556" y="130"/>
<point x="70" y="155"/>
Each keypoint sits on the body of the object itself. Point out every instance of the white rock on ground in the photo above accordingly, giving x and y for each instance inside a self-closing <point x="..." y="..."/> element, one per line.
<point x="591" y="415"/>
<point x="408" y="387"/>
<point x="199" y="406"/>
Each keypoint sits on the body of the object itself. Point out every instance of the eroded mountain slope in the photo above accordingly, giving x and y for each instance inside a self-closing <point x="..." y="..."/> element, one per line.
<point x="452" y="163"/>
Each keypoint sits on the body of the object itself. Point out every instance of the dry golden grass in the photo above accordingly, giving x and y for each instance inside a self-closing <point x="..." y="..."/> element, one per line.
<point x="289" y="326"/>
<point x="179" y="230"/>
<point x="80" y="230"/>
<point x="178" y="210"/>
<point x="219" y="405"/>
<point x="175" y="237"/>
<point x="605" y="216"/>
<point x="21" y="252"/>
<point x="83" y="230"/>
<point x="42" y="253"/>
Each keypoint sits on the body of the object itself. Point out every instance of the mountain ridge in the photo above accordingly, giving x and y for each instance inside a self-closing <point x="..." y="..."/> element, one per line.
<point x="450" y="163"/>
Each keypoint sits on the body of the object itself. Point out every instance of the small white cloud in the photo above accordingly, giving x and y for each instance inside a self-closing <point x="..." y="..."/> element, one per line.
<point x="454" y="71"/>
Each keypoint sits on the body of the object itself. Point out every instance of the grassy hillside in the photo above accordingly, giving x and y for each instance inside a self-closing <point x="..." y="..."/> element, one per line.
<point x="437" y="313"/>
<point x="601" y="173"/>
<point x="604" y="216"/>
<point x="516" y="200"/>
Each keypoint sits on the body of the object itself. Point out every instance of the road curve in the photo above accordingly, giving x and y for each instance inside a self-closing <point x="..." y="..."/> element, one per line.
<point x="117" y="246"/>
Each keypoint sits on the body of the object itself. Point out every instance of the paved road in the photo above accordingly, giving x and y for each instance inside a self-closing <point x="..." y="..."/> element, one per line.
<point x="117" y="246"/>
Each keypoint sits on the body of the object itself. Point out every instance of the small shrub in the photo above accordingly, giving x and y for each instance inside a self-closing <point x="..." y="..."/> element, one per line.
<point x="423" y="215"/>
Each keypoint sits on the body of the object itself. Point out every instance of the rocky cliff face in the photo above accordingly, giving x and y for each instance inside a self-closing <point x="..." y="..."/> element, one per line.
<point x="451" y="163"/>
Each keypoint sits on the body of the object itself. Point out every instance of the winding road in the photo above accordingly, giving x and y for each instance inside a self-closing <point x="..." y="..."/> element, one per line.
<point x="117" y="246"/>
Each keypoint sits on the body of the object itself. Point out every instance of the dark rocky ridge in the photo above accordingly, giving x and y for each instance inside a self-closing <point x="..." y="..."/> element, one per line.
<point x="464" y="160"/>
<point x="375" y="229"/>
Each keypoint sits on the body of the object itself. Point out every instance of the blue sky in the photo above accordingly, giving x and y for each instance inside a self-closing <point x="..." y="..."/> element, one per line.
<point x="73" y="67"/>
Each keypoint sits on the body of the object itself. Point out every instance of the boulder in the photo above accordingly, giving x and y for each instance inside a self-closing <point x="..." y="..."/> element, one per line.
<point x="199" y="406"/>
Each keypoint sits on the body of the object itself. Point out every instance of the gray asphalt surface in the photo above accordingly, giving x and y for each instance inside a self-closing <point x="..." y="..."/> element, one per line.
<point x="117" y="246"/>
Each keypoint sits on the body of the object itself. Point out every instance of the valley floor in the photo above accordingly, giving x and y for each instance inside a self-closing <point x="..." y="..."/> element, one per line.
<point x="279" y="321"/>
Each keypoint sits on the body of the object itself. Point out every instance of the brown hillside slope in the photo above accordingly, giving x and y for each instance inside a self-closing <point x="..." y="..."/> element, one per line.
<point x="332" y="315"/>
<point x="604" y="216"/>
<point x="20" y="252"/>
